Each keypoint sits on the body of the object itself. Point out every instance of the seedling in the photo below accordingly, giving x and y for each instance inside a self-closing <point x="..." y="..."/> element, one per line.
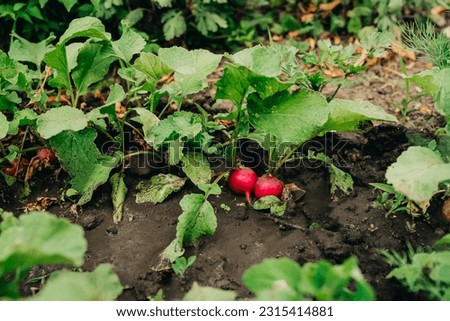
<point x="181" y="264"/>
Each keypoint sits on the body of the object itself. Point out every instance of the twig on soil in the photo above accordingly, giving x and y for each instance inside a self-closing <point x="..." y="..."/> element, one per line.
<point x="284" y="222"/>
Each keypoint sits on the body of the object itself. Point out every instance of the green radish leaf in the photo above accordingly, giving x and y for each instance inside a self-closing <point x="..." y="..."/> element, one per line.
<point x="283" y="273"/>
<point x="23" y="50"/>
<point x="346" y="115"/>
<point x="206" y="293"/>
<point x="89" y="27"/>
<point x="233" y="85"/>
<point x="153" y="67"/>
<point x="116" y="94"/>
<point x="260" y="59"/>
<point x="60" y="119"/>
<point x="94" y="60"/>
<point x="158" y="188"/>
<point x="338" y="178"/>
<point x="39" y="238"/>
<point x="238" y="81"/>
<point x="129" y="44"/>
<point x="291" y="118"/>
<point x="181" y="124"/>
<point x="434" y="83"/>
<point x="198" y="219"/>
<point x="102" y="284"/>
<point x="196" y="167"/>
<point x="118" y="194"/>
<point x="22" y="117"/>
<point x="4" y="126"/>
<point x="191" y="68"/>
<point x="80" y="157"/>
<point x="62" y="59"/>
<point x="417" y="173"/>
<point x="148" y="120"/>
<point x="277" y="207"/>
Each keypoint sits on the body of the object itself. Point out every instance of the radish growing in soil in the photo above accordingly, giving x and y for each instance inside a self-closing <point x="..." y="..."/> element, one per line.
<point x="47" y="154"/>
<point x="268" y="185"/>
<point x="242" y="181"/>
<point x="11" y="171"/>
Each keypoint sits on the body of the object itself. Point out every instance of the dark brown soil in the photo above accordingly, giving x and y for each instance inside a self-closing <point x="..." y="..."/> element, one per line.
<point x="334" y="228"/>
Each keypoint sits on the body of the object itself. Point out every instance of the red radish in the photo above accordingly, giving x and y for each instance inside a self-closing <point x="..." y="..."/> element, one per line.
<point x="268" y="185"/>
<point x="242" y="181"/>
<point x="11" y="171"/>
<point x="45" y="154"/>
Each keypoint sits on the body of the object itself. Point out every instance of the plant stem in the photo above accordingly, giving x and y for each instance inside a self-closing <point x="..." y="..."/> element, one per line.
<point x="105" y="132"/>
<point x="286" y="157"/>
<point x="334" y="93"/>
<point x="3" y="149"/>
<point x="134" y="128"/>
<point x="164" y="109"/>
<point x="141" y="152"/>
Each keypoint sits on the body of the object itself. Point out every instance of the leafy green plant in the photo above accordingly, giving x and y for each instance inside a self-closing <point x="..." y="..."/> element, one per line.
<point x="181" y="264"/>
<point x="421" y="172"/>
<point x="423" y="270"/>
<point x="285" y="280"/>
<point x="41" y="238"/>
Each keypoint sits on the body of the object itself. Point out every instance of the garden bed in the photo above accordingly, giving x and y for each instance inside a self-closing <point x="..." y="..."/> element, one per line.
<point x="319" y="226"/>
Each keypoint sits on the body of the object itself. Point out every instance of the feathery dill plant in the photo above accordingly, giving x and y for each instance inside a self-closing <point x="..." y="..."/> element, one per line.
<point x="423" y="38"/>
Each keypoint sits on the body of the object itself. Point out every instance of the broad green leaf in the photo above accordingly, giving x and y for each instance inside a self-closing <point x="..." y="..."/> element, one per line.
<point x="198" y="218"/>
<point x="21" y="118"/>
<point x="174" y="24"/>
<point x="260" y="59"/>
<point x="80" y="157"/>
<point x="271" y="273"/>
<point x="417" y="173"/>
<point x="85" y="27"/>
<point x="152" y="66"/>
<point x="434" y="83"/>
<point x="206" y="293"/>
<point x="129" y="44"/>
<point x="346" y="115"/>
<point x="116" y="94"/>
<point x="102" y="284"/>
<point x="277" y="207"/>
<point x="148" y="120"/>
<point x="291" y="118"/>
<point x="238" y="81"/>
<point x="4" y="126"/>
<point x="23" y="50"/>
<point x="196" y="167"/>
<point x="158" y="188"/>
<point x="181" y="124"/>
<point x="60" y="119"/>
<point x="191" y="68"/>
<point x="233" y="85"/>
<point x="118" y="194"/>
<point x="62" y="59"/>
<point x="40" y="238"/>
<point x="94" y="60"/>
